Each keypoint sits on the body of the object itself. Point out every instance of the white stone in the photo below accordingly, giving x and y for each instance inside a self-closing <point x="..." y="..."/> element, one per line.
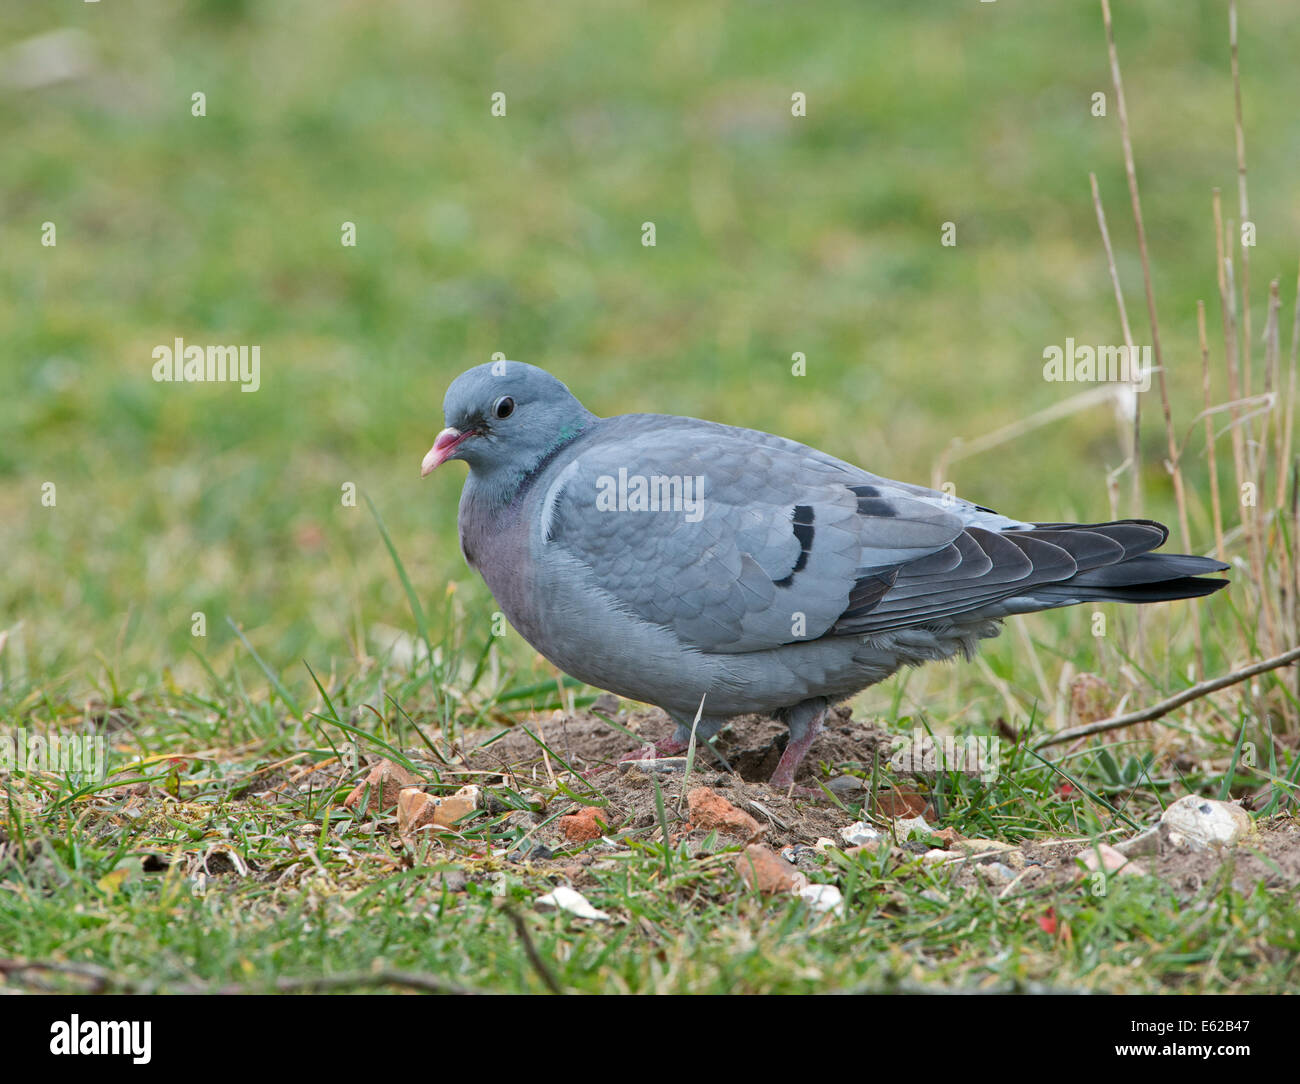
<point x="564" y="898"/>
<point x="1204" y="823"/>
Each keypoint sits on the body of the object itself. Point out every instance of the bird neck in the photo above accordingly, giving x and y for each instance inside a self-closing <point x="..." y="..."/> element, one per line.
<point x="504" y="485"/>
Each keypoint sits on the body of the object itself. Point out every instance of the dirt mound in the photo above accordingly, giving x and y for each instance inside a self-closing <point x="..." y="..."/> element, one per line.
<point x="736" y="765"/>
<point x="748" y="746"/>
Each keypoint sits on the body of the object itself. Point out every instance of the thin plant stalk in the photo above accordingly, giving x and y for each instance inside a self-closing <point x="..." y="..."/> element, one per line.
<point x="1216" y="506"/>
<point x="1135" y="440"/>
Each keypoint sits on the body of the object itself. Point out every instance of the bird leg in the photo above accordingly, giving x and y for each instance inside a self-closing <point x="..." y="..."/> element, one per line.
<point x="704" y="728"/>
<point x="806" y="721"/>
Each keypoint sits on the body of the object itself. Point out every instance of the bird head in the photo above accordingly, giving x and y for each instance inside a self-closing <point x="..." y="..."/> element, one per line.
<point x="504" y="418"/>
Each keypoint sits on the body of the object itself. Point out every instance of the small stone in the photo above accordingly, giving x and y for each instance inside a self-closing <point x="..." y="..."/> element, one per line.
<point x="531" y="849"/>
<point x="823" y="899"/>
<point x="906" y="828"/>
<point x="448" y="810"/>
<point x="983" y="846"/>
<point x="859" y="833"/>
<point x="996" y="871"/>
<point x="949" y="836"/>
<point x="824" y="844"/>
<point x="801" y="855"/>
<point x="586" y="824"/>
<point x="385" y="780"/>
<point x="1205" y="824"/>
<point x="416" y="809"/>
<point x="712" y="812"/>
<point x="1106" y="857"/>
<point x="763" y="870"/>
<point x="570" y="900"/>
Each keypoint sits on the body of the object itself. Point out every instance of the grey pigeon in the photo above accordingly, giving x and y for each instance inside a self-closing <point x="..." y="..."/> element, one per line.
<point x="675" y="561"/>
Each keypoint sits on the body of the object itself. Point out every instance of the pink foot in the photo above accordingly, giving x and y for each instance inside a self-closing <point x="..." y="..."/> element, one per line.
<point x="783" y="778"/>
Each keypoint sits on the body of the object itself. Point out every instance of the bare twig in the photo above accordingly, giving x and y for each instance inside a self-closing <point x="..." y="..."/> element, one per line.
<point x="1270" y="381"/>
<point x="102" y="979"/>
<point x="959" y="448"/>
<point x="1243" y="460"/>
<point x="99" y="978"/>
<point x="1291" y="554"/>
<point x="1285" y="458"/>
<point x="343" y="980"/>
<point x="1135" y="440"/>
<point x="1243" y="205"/>
<point x="530" y="950"/>
<point x="1195" y="692"/>
<point x="1226" y="308"/>
<point x="1130" y="171"/>
<point x="1209" y="432"/>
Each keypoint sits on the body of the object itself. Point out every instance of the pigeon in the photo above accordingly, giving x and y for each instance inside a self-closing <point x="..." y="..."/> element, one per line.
<point x="716" y="571"/>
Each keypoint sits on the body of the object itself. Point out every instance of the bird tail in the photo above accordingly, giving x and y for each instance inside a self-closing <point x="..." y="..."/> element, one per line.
<point x="1139" y="576"/>
<point x="989" y="575"/>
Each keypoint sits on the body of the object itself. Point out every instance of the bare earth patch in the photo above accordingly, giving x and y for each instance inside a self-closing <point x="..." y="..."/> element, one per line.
<point x="750" y="746"/>
<point x="592" y="745"/>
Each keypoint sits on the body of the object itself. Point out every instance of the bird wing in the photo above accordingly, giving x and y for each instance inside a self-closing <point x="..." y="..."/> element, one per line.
<point x="741" y="541"/>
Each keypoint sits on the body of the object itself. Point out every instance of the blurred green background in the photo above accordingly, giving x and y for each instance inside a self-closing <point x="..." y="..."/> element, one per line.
<point x="522" y="235"/>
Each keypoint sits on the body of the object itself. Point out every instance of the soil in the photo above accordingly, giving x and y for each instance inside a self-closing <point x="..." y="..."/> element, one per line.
<point x="750" y="745"/>
<point x="1270" y="856"/>
<point x="842" y="757"/>
<point x="748" y="750"/>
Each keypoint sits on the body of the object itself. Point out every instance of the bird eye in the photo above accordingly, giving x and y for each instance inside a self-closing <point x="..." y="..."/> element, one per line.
<point x="503" y="407"/>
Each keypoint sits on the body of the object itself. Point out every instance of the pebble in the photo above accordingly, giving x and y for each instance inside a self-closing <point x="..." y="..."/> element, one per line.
<point x="859" y="833"/>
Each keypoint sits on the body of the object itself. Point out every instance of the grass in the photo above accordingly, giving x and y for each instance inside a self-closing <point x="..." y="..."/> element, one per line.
<point x="335" y="629"/>
<point x="301" y="892"/>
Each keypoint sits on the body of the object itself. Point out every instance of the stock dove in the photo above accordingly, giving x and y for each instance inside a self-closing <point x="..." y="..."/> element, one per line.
<point x="675" y="561"/>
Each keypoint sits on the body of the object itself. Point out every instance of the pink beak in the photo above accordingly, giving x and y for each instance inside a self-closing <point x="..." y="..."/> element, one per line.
<point x="444" y="444"/>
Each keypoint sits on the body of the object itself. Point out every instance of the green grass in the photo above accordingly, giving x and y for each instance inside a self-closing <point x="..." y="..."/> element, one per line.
<point x="328" y="622"/>
<point x="318" y="897"/>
